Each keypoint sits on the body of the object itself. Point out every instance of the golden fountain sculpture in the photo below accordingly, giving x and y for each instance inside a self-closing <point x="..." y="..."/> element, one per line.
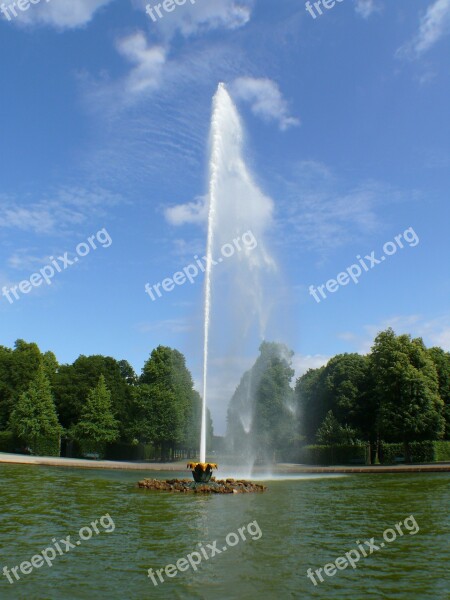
<point x="202" y="472"/>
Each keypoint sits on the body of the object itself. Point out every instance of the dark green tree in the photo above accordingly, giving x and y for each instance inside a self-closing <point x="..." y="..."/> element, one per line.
<point x="173" y="400"/>
<point x="342" y="386"/>
<point x="313" y="402"/>
<point x="18" y="368"/>
<point x="97" y="424"/>
<point x="34" y="416"/>
<point x="441" y="360"/>
<point x="332" y="433"/>
<point x="73" y="382"/>
<point x="405" y="383"/>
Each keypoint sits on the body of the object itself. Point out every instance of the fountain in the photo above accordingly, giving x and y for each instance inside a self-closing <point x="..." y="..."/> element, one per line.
<point x="202" y="471"/>
<point x="226" y="169"/>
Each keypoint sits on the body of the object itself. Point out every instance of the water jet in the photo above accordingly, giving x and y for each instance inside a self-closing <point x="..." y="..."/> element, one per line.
<point x="230" y="184"/>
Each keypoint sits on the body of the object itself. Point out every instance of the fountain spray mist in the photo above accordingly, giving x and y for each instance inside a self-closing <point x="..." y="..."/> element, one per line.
<point x="240" y="295"/>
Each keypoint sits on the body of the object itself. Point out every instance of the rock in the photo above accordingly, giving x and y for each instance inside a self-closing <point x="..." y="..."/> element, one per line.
<point x="228" y="486"/>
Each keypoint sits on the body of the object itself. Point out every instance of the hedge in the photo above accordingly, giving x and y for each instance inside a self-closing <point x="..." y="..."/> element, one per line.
<point x="47" y="446"/>
<point x="121" y="451"/>
<point x="44" y="446"/>
<point x="8" y="442"/>
<point x="420" y="452"/>
<point x="333" y="455"/>
<point x="442" y="451"/>
<point x="85" y="447"/>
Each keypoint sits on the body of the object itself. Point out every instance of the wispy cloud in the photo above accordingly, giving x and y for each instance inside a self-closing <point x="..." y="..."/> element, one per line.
<point x="61" y="14"/>
<point x="265" y="99"/>
<point x="322" y="211"/>
<point x="55" y="213"/>
<point x="190" y="213"/>
<point x="434" y="25"/>
<point x="196" y="17"/>
<point x="148" y="63"/>
<point x="168" y="325"/>
<point x="23" y="259"/>
<point x="301" y="363"/>
<point x="435" y="332"/>
<point x="366" y="8"/>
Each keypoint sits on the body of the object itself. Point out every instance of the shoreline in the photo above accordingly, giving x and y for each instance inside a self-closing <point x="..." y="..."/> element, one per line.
<point x="279" y="469"/>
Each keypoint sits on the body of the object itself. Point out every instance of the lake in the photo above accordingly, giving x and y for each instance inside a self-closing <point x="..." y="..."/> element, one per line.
<point x="301" y="523"/>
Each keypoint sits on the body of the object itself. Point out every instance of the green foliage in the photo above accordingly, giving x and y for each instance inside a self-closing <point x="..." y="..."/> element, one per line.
<point x="166" y="406"/>
<point x="312" y="402"/>
<point x="441" y="360"/>
<point x="389" y="452"/>
<point x="419" y="452"/>
<point x="261" y="414"/>
<point x="399" y="393"/>
<point x="73" y="383"/>
<point x="88" y="448"/>
<point x="34" y="417"/>
<point x="442" y="451"/>
<point x="8" y="441"/>
<point x="422" y="452"/>
<point x="136" y="452"/>
<point x="405" y="384"/>
<point x="333" y="455"/>
<point x="342" y="387"/>
<point x="18" y="368"/>
<point x="331" y="432"/>
<point x="97" y="423"/>
<point x="48" y="446"/>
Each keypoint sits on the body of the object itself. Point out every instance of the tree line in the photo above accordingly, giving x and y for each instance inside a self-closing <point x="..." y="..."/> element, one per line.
<point x="99" y="400"/>
<point x="399" y="392"/>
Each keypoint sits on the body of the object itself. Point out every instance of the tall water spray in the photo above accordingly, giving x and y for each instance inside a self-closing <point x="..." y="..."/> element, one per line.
<point x="235" y="205"/>
<point x="215" y="140"/>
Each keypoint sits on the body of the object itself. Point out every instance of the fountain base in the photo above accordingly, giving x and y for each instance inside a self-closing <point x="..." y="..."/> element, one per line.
<point x="202" y="472"/>
<point x="224" y="486"/>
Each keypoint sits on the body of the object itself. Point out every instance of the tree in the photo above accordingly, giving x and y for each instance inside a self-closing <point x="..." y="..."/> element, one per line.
<point x="405" y="383"/>
<point x="172" y="402"/>
<point x="73" y="382"/>
<point x="332" y="433"/>
<point x="343" y="387"/>
<point x="347" y="390"/>
<point x="127" y="372"/>
<point x="262" y="414"/>
<point x="441" y="360"/>
<point x="34" y="416"/>
<point x="312" y="401"/>
<point x="18" y="368"/>
<point x="97" y="423"/>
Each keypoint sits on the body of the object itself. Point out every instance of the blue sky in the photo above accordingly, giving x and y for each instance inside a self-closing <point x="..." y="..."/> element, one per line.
<point x="104" y="125"/>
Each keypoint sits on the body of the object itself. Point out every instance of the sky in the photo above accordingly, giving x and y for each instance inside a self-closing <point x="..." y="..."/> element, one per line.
<point x="104" y="124"/>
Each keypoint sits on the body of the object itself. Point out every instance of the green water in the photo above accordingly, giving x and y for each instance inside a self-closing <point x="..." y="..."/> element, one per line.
<point x="304" y="523"/>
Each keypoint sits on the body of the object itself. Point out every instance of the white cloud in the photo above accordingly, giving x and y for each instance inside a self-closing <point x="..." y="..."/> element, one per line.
<point x="301" y="363"/>
<point x="323" y="212"/>
<point x="199" y="16"/>
<point x="148" y="60"/>
<point x="365" y="8"/>
<point x="62" y="14"/>
<point x="435" y="332"/>
<point x="167" y="325"/>
<point x="55" y="213"/>
<point x="23" y="259"/>
<point x="434" y="24"/>
<point x="190" y="213"/>
<point x="265" y="99"/>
